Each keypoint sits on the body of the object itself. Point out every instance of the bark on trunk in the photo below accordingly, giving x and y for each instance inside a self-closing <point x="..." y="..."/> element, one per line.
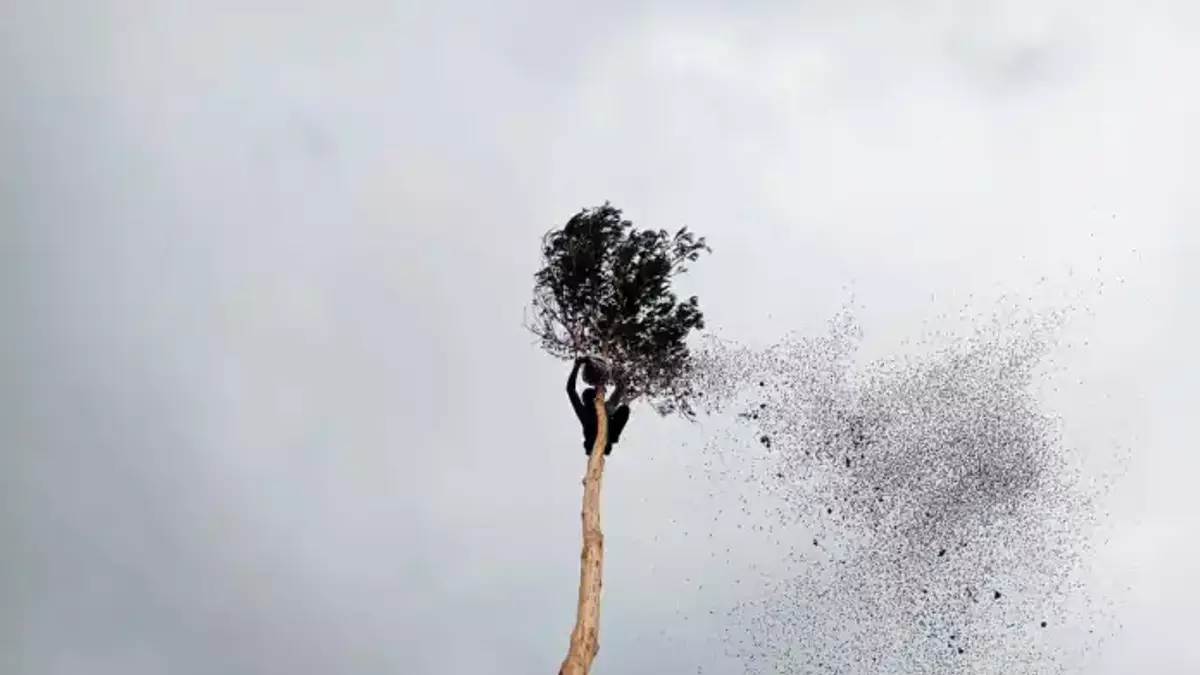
<point x="585" y="638"/>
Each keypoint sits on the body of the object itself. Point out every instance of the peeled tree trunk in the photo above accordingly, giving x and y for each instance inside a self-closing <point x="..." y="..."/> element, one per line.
<point x="585" y="638"/>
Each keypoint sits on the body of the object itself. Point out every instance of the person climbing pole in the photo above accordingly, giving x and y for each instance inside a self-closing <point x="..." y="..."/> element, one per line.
<point x="585" y="406"/>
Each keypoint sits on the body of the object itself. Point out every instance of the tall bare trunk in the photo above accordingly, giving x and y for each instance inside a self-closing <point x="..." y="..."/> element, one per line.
<point x="585" y="638"/>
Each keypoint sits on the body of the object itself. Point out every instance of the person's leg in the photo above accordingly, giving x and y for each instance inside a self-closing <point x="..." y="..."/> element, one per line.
<point x="617" y="423"/>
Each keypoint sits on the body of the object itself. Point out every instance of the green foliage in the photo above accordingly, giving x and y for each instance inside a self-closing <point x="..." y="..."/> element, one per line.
<point x="605" y="289"/>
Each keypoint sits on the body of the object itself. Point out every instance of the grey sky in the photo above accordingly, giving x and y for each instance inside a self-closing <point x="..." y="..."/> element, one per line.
<point x="268" y="404"/>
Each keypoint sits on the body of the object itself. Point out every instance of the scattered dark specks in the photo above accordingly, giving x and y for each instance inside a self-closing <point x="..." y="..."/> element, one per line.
<point x="961" y="457"/>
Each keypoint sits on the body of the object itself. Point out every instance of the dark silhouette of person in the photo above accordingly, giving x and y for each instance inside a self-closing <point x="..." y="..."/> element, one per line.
<point x="585" y="410"/>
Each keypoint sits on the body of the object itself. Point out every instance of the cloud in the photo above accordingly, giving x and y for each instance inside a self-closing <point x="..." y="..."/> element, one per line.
<point x="268" y="403"/>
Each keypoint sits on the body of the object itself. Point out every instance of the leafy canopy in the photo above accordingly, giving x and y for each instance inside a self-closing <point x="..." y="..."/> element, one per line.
<point x="604" y="289"/>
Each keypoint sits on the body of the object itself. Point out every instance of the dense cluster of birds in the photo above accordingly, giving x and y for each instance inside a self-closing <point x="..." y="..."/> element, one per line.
<point x="947" y="528"/>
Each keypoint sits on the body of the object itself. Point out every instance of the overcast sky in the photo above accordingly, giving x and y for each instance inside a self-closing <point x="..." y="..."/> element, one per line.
<point x="268" y="405"/>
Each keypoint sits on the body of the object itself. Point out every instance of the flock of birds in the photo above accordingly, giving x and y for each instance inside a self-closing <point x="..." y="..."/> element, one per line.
<point x="948" y="528"/>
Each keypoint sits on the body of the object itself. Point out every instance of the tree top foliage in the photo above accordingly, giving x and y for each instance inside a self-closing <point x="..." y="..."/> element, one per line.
<point x="604" y="289"/>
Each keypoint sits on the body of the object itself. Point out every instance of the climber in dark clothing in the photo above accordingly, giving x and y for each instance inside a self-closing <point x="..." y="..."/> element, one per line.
<point x="585" y="410"/>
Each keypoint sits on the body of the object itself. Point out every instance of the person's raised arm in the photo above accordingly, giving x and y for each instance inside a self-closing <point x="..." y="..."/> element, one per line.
<point x="572" y="393"/>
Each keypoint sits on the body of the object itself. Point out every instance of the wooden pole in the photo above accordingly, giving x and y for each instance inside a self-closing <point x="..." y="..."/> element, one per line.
<point x="585" y="638"/>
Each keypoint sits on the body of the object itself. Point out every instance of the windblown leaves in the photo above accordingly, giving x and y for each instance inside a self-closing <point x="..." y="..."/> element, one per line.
<point x="944" y="524"/>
